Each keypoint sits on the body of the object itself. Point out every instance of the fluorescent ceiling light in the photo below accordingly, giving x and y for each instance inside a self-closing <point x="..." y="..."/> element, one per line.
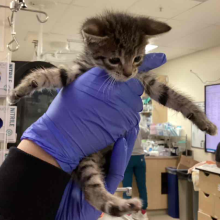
<point x="150" y="47"/>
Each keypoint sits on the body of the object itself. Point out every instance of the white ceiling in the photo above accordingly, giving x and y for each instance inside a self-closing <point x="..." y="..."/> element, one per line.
<point x="195" y="23"/>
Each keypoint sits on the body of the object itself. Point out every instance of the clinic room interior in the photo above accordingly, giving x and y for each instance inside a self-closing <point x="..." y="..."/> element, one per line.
<point x="171" y="165"/>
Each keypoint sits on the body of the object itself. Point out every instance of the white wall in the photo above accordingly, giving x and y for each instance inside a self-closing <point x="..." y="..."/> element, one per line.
<point x="207" y="64"/>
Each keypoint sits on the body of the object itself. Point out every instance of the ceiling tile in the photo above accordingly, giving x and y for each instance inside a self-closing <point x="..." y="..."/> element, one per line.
<point x="172" y="53"/>
<point x="208" y="12"/>
<point x="72" y="20"/>
<point x="47" y="3"/>
<point x="179" y="29"/>
<point x="28" y="20"/>
<point x="105" y="4"/>
<point x="65" y="1"/>
<point x="190" y="22"/>
<point x="162" y="8"/>
<point x="203" y="39"/>
<point x="175" y="23"/>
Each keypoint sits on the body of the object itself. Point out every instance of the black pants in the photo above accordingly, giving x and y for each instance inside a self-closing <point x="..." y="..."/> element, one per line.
<point x="30" y="189"/>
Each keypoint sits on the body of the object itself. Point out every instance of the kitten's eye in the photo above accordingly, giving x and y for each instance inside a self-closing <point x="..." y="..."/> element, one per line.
<point x="114" y="60"/>
<point x="137" y="59"/>
<point x="100" y="58"/>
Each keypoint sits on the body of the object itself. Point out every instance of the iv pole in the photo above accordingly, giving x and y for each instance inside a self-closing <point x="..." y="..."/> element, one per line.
<point x="15" y="6"/>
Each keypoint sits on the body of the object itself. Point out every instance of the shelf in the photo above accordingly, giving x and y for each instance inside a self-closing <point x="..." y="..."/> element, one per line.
<point x="167" y="137"/>
<point x="146" y="112"/>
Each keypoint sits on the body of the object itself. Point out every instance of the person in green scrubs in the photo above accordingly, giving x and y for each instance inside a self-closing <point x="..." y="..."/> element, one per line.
<point x="137" y="166"/>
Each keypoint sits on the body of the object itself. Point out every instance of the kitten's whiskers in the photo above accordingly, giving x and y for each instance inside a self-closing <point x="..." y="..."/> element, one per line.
<point x="110" y="86"/>
<point x="106" y="85"/>
<point x="103" y="84"/>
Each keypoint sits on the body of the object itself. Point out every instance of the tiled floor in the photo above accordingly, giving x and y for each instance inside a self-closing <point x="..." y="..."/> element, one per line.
<point x="151" y="217"/>
<point x="161" y="217"/>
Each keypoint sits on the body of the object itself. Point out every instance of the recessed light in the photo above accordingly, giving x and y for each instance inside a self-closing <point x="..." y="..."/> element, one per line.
<point x="150" y="47"/>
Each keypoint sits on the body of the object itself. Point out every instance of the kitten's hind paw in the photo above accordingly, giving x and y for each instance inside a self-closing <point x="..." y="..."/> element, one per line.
<point x="13" y="98"/>
<point x="123" y="207"/>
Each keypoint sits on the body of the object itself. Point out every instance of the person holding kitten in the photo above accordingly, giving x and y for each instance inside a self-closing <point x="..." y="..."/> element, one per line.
<point x="35" y="181"/>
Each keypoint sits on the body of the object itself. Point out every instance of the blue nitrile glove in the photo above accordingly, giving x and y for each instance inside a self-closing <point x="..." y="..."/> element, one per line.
<point x="99" y="113"/>
<point x="152" y="61"/>
<point x="87" y="116"/>
<point x="73" y="204"/>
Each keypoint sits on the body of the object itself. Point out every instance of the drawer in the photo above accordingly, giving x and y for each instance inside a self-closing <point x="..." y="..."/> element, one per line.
<point x="206" y="203"/>
<point x="217" y="207"/>
<point x="218" y="185"/>
<point x="209" y="183"/>
<point x="203" y="216"/>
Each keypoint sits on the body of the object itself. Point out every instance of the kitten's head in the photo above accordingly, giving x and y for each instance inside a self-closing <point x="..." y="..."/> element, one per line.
<point x="116" y="41"/>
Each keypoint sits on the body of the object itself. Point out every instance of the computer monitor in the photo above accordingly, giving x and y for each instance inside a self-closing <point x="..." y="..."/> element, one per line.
<point x="212" y="109"/>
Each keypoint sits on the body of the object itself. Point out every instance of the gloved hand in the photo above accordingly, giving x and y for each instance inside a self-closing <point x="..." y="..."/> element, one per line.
<point x="73" y="204"/>
<point x="104" y="116"/>
<point x="152" y="61"/>
<point x="87" y="116"/>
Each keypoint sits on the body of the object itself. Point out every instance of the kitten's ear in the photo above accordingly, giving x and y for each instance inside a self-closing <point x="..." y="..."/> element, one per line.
<point x="93" y="31"/>
<point x="152" y="27"/>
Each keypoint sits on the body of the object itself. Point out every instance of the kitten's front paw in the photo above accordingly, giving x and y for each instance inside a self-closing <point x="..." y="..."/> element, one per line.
<point x="124" y="207"/>
<point x="13" y="98"/>
<point x="210" y="128"/>
<point x="202" y="122"/>
<point x="207" y="126"/>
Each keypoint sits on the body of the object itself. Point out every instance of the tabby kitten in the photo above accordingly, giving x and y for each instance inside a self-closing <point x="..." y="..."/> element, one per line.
<point x="115" y="42"/>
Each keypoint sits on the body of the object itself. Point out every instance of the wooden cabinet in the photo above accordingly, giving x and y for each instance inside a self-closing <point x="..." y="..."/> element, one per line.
<point x="209" y="194"/>
<point x="156" y="171"/>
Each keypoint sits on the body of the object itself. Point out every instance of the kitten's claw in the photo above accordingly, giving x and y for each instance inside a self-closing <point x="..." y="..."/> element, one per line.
<point x="211" y="128"/>
<point x="124" y="207"/>
<point x="13" y="98"/>
<point x="201" y="121"/>
<point x="135" y="204"/>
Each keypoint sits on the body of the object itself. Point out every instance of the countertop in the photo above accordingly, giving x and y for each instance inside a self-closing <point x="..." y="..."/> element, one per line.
<point x="161" y="157"/>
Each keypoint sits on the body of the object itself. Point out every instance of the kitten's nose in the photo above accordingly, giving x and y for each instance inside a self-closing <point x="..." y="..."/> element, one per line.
<point x="127" y="73"/>
<point x="127" y="70"/>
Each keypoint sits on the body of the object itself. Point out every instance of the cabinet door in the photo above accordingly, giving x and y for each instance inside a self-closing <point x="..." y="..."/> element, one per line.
<point x="156" y="168"/>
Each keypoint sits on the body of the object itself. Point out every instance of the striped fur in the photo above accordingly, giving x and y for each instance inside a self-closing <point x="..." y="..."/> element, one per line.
<point x="176" y="101"/>
<point x="113" y="35"/>
<point x="91" y="178"/>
